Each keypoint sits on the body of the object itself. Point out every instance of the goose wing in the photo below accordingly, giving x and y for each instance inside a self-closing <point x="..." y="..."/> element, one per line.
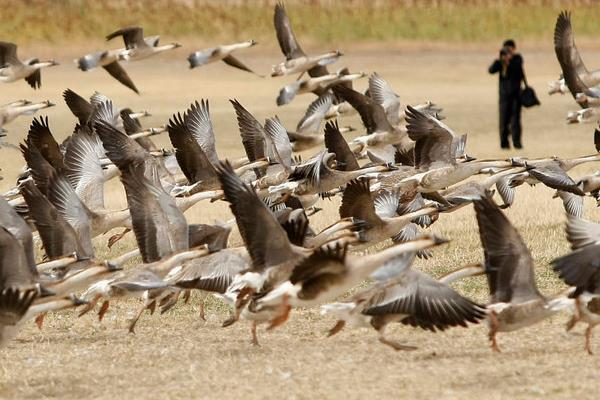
<point x="133" y="37"/>
<point x="251" y="131"/>
<point x="116" y="70"/>
<point x="200" y="126"/>
<point x="336" y="144"/>
<point x="426" y="302"/>
<point x="433" y="139"/>
<point x="358" y="203"/>
<point x="193" y="161"/>
<point x="381" y="91"/>
<point x="58" y="237"/>
<point x="79" y="106"/>
<point x="265" y="239"/>
<point x="371" y="113"/>
<point x="83" y="168"/>
<point x="508" y="261"/>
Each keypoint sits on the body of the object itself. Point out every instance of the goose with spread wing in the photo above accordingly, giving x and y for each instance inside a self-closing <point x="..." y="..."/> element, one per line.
<point x="296" y="60"/>
<point x="13" y="69"/>
<point x="221" y="53"/>
<point x="515" y="301"/>
<point x="136" y="47"/>
<point x="406" y="295"/>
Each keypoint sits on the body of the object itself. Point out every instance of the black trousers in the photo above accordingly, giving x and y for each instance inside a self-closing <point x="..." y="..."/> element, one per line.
<point x="510" y="120"/>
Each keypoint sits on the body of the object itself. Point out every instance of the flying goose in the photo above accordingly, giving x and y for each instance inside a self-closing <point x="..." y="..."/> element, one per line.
<point x="580" y="269"/>
<point x="357" y="202"/>
<point x="296" y="59"/>
<point x="382" y="139"/>
<point x="221" y="53"/>
<point x="576" y="76"/>
<point x="12" y="69"/>
<point x="109" y="60"/>
<point x="11" y="111"/>
<point x="136" y="47"/>
<point x="308" y="134"/>
<point x="17" y="307"/>
<point x="404" y="294"/>
<point x="313" y="84"/>
<point x="435" y="154"/>
<point x="383" y="94"/>
<point x="515" y="301"/>
<point x="328" y="273"/>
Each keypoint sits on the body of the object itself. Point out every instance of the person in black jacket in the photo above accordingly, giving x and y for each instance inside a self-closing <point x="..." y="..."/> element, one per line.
<point x="509" y="66"/>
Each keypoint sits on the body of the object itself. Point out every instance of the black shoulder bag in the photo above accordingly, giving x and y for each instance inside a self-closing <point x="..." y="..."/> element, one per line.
<point x="528" y="96"/>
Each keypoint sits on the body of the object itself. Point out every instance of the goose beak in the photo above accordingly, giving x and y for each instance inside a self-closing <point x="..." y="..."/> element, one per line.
<point x="176" y="45"/>
<point x="49" y="103"/>
<point x="253" y="42"/>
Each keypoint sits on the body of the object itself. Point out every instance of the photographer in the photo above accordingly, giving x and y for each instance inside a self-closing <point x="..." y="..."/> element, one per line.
<point x="509" y="66"/>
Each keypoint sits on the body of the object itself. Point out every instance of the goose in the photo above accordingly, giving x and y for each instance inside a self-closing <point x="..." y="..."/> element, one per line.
<point x="357" y="202"/>
<point x="193" y="139"/>
<point x="382" y="139"/>
<point x="552" y="172"/>
<point x="435" y="154"/>
<point x="12" y="69"/>
<point x="470" y="191"/>
<point x="580" y="269"/>
<point x="17" y="307"/>
<point x="136" y="283"/>
<point x="109" y="61"/>
<point x="221" y="53"/>
<point x="136" y="48"/>
<point x="328" y="273"/>
<point x="289" y="92"/>
<point x="318" y="176"/>
<point x="575" y="74"/>
<point x="271" y="254"/>
<point x="404" y="294"/>
<point x="584" y="116"/>
<point x="296" y="60"/>
<point x="307" y="134"/>
<point x="11" y="111"/>
<point x="590" y="184"/>
<point x="515" y="301"/>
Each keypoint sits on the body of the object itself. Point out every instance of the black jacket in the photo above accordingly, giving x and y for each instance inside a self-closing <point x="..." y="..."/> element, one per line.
<point x="509" y="79"/>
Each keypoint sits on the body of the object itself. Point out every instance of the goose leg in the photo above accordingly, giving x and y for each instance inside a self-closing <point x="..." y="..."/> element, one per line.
<point x="152" y="307"/>
<point x="103" y="310"/>
<point x="576" y="315"/>
<point x="186" y="296"/>
<point x="39" y="320"/>
<point x="336" y="328"/>
<point x="90" y="306"/>
<point x="284" y="314"/>
<point x="254" y="335"/>
<point x="380" y="325"/>
<point x="135" y="319"/>
<point x="203" y="296"/>
<point x="493" y="331"/>
<point x="588" y="340"/>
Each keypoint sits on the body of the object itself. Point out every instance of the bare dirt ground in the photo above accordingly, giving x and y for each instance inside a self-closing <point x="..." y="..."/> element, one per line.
<point x="176" y="355"/>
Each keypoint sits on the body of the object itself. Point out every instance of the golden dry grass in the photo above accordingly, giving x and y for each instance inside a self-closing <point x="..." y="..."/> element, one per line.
<point x="317" y="20"/>
<point x="178" y="356"/>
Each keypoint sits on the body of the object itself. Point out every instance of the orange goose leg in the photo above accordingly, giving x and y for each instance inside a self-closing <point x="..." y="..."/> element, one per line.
<point x="493" y="331"/>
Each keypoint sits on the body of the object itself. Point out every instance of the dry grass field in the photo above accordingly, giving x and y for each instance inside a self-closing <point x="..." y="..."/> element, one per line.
<point x="177" y="355"/>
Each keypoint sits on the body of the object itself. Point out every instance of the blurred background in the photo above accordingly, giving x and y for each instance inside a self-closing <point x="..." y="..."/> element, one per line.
<point x="471" y="21"/>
